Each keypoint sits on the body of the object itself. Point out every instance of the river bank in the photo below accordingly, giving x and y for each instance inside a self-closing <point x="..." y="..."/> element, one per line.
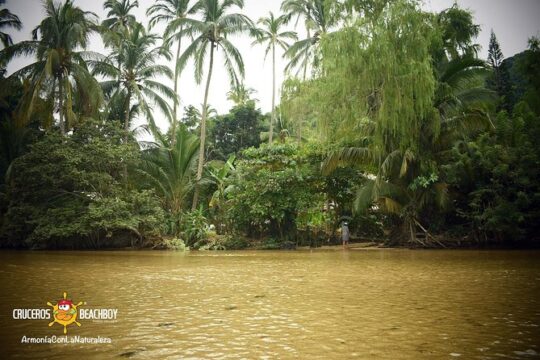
<point x="362" y="245"/>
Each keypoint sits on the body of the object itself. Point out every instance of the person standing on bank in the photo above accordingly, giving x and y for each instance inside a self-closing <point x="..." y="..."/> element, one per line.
<point x="345" y="234"/>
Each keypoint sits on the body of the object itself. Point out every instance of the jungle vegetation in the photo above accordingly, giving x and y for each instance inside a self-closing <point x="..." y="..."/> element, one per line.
<point x="388" y="118"/>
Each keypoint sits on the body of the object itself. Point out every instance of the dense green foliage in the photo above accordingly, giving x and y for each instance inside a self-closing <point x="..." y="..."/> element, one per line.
<point x="235" y="131"/>
<point x="71" y="191"/>
<point x="279" y="192"/>
<point x="495" y="179"/>
<point x="271" y="189"/>
<point x="388" y="118"/>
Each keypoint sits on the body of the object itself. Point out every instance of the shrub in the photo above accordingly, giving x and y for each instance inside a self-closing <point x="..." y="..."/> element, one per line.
<point x="175" y="244"/>
<point x="195" y="228"/>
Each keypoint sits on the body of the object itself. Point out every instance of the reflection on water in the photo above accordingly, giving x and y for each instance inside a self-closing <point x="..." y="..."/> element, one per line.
<point x="377" y="304"/>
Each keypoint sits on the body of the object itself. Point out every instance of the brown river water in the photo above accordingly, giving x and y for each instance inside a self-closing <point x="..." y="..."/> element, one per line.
<point x="365" y="304"/>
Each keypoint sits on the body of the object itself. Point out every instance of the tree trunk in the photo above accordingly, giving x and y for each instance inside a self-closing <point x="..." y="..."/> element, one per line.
<point x="54" y="94"/>
<point x="304" y="79"/>
<point x="126" y="135"/>
<point x="126" y="116"/>
<point x="203" y="131"/>
<point x="273" y="117"/>
<point x="300" y="130"/>
<point x="306" y="61"/>
<point x="175" y="107"/>
<point x="61" y="105"/>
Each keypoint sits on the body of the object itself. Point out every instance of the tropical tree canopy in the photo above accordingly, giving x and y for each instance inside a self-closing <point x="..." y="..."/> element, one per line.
<point x="132" y="74"/>
<point x="174" y="13"/>
<point x="271" y="34"/>
<point x="60" y="70"/>
<point x="8" y="20"/>
<point x="388" y="117"/>
<point x="208" y="34"/>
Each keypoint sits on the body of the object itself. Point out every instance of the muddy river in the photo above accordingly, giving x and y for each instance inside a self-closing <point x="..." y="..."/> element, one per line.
<point x="366" y="304"/>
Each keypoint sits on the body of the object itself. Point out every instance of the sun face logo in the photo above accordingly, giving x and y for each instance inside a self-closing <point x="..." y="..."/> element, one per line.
<point x="65" y="312"/>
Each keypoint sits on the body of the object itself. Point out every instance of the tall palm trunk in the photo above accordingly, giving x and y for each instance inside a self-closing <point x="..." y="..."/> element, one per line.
<point x="126" y="116"/>
<point x="203" y="131"/>
<point x="300" y="130"/>
<point x="304" y="79"/>
<point x="307" y="49"/>
<point x="175" y="106"/>
<point x="126" y="130"/>
<point x="273" y="118"/>
<point x="61" y="104"/>
<point x="54" y="92"/>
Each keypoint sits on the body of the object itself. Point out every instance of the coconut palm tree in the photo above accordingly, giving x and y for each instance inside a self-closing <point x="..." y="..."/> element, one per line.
<point x="169" y="169"/>
<point x="131" y="73"/>
<point x="60" y="70"/>
<point x="240" y="94"/>
<point x="316" y="18"/>
<point x="460" y="83"/>
<point x="209" y="34"/>
<point x="115" y="29"/>
<point x="299" y="9"/>
<point x="8" y="20"/>
<point x="272" y="35"/>
<point x="174" y="13"/>
<point x="119" y="22"/>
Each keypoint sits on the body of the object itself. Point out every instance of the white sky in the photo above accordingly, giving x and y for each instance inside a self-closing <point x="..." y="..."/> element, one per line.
<point x="514" y="21"/>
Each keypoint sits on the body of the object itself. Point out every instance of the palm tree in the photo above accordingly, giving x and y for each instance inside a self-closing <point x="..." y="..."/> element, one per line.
<point x="116" y="29"/>
<point x="119" y="20"/>
<point x="8" y="20"/>
<point x="174" y="13"/>
<point x="272" y="36"/>
<point x="169" y="169"/>
<point x="60" y="70"/>
<point x="462" y="99"/>
<point x="240" y="94"/>
<point x="300" y="9"/>
<point x="316" y="17"/>
<point x="131" y="72"/>
<point x="212" y="33"/>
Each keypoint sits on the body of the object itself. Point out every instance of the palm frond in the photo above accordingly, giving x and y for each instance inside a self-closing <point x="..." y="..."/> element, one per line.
<point x="346" y="156"/>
